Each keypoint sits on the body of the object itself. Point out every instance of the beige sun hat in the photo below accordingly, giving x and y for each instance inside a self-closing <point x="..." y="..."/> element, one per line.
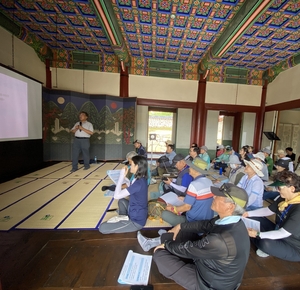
<point x="256" y="165"/>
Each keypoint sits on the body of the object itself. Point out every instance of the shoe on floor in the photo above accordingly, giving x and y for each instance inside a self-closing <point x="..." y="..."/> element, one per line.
<point x="73" y="170"/>
<point x="152" y="181"/>
<point x="86" y="168"/>
<point x="262" y="254"/>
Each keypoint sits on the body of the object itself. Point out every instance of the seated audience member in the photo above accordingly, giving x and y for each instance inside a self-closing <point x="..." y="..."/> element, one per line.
<point x="194" y="145"/>
<point x="197" y="201"/>
<point x="261" y="157"/>
<point x="282" y="239"/>
<point x="216" y="259"/>
<point x="196" y="159"/>
<point x="139" y="148"/>
<point x="164" y="161"/>
<point x="290" y="154"/>
<point x="250" y="151"/>
<point x="269" y="160"/>
<point x="220" y="150"/>
<point x="270" y="191"/>
<point x="136" y="208"/>
<point x="281" y="155"/>
<point x="180" y="184"/>
<point x="243" y="154"/>
<point x="204" y="155"/>
<point x="253" y="184"/>
<point x="223" y="159"/>
<point x="236" y="170"/>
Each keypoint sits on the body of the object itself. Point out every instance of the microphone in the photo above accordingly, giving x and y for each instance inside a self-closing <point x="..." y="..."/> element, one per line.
<point x="80" y="123"/>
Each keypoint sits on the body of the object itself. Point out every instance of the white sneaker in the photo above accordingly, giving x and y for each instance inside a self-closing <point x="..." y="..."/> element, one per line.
<point x="262" y="254"/>
<point x="152" y="181"/>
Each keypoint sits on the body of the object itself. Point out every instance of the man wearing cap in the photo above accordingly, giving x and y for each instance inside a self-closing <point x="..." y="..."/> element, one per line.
<point x="220" y="150"/>
<point x="197" y="202"/>
<point x="261" y="157"/>
<point x="204" y="155"/>
<point x="269" y="160"/>
<point x="139" y="148"/>
<point x="217" y="258"/>
<point x="161" y="164"/>
<point x="253" y="183"/>
<point x="237" y="171"/>
<point x="270" y="191"/>
<point x="180" y="184"/>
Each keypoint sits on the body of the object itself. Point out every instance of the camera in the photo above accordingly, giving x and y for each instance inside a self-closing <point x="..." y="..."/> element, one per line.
<point x="164" y="178"/>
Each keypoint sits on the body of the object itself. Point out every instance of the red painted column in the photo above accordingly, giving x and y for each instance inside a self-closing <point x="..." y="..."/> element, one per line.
<point x="48" y="75"/>
<point x="124" y="79"/>
<point x="199" y="114"/>
<point x="259" y="120"/>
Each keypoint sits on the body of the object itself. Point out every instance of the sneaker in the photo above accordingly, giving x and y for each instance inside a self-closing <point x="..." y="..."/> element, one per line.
<point x="73" y="170"/>
<point x="262" y="254"/>
<point x="144" y="242"/>
<point x="86" y="168"/>
<point x="153" y="181"/>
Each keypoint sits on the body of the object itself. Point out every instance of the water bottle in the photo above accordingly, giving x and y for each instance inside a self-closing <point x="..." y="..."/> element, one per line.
<point x="221" y="171"/>
<point x="95" y="159"/>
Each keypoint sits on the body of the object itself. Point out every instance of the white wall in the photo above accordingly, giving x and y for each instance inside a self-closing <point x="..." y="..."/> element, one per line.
<point x="184" y="125"/>
<point x="89" y="82"/>
<point x="142" y="124"/>
<point x="233" y="94"/>
<point x="285" y="87"/>
<point x="247" y="130"/>
<point x="163" y="88"/>
<point x="269" y="126"/>
<point x="212" y="129"/>
<point x="25" y="60"/>
<point x="227" y="128"/>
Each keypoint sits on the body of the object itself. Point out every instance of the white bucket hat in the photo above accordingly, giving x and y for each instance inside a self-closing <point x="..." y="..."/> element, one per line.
<point x="256" y="165"/>
<point x="260" y="155"/>
<point x="233" y="159"/>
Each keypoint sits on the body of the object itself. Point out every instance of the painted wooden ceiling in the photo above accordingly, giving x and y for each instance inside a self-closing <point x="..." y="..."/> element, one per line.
<point x="153" y="37"/>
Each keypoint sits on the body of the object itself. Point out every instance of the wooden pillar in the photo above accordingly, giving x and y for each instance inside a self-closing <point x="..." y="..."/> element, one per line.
<point x="236" y="132"/>
<point x="199" y="114"/>
<point x="259" y="120"/>
<point x="124" y="79"/>
<point x="48" y="75"/>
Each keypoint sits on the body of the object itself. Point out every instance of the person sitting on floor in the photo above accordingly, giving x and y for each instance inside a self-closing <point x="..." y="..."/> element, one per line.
<point x="194" y="154"/>
<point x="269" y="160"/>
<point x="237" y="171"/>
<point x="282" y="239"/>
<point x="270" y="191"/>
<point x="243" y="154"/>
<point x="136" y="208"/>
<point x="204" y="155"/>
<point x="261" y="157"/>
<point x="253" y="184"/>
<point x="197" y="201"/>
<point x="220" y="150"/>
<point x="180" y="184"/>
<point x="216" y="259"/>
<point x="281" y="155"/>
<point x="223" y="159"/>
<point x="290" y="154"/>
<point x="139" y="148"/>
<point x="165" y="161"/>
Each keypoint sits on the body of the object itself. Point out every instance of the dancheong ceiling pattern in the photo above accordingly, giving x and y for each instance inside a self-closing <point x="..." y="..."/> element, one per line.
<point x="175" y="38"/>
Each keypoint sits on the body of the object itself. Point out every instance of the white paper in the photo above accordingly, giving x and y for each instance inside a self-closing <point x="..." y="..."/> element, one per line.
<point x="251" y="224"/>
<point x="114" y="175"/>
<point x="136" y="269"/>
<point x="172" y="198"/>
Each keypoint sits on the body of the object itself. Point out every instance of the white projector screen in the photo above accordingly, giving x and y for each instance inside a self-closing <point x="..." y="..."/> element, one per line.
<point x="20" y="107"/>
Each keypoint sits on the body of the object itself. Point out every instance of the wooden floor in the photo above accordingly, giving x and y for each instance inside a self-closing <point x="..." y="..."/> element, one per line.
<point x="61" y="260"/>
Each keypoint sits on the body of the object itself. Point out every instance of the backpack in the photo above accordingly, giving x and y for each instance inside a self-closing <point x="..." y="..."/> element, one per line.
<point x="155" y="209"/>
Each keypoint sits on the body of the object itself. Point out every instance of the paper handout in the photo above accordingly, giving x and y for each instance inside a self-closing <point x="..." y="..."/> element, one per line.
<point x="136" y="269"/>
<point x="172" y="198"/>
<point x="114" y="175"/>
<point x="251" y="224"/>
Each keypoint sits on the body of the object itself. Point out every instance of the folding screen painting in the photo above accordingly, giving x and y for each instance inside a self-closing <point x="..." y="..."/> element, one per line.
<point x="113" y="119"/>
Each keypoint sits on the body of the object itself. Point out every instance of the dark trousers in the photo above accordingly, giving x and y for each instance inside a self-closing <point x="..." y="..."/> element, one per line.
<point x="80" y="145"/>
<point x="181" y="271"/>
<point x="277" y="248"/>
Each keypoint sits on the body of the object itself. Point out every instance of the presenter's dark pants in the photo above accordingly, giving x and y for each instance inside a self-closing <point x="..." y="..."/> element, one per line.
<point x="276" y="248"/>
<point x="81" y="145"/>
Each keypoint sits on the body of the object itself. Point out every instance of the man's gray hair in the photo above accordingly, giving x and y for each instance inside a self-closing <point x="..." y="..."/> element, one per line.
<point x="130" y="154"/>
<point x="238" y="210"/>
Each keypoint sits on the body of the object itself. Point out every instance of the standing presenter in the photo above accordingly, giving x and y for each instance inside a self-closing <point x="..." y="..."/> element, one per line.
<point x="83" y="131"/>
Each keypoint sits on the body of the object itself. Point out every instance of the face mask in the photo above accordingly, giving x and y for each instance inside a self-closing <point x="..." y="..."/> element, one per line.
<point x="233" y="166"/>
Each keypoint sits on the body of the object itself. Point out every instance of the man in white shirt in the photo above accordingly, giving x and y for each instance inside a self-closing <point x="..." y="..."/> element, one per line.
<point x="83" y="131"/>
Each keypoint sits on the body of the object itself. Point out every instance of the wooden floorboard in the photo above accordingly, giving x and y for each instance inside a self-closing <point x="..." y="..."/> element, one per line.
<point x="82" y="260"/>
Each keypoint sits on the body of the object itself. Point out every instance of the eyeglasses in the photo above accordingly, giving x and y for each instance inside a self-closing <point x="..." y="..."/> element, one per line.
<point x="224" y="188"/>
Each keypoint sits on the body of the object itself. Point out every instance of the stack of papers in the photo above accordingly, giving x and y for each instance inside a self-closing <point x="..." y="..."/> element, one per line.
<point x="136" y="269"/>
